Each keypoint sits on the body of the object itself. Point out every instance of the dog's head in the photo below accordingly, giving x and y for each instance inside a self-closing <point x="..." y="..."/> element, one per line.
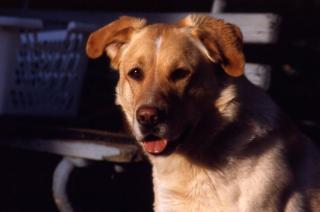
<point x="169" y="73"/>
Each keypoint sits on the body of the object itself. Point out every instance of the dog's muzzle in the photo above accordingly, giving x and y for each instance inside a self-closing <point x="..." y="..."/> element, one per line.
<point x="152" y="125"/>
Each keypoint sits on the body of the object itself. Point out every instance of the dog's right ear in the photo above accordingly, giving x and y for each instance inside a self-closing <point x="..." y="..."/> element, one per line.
<point x="112" y="37"/>
<point x="222" y="40"/>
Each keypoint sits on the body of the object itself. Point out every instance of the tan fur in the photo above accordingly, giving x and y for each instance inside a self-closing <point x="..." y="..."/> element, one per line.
<point x="226" y="104"/>
<point x="222" y="40"/>
<point x="232" y="149"/>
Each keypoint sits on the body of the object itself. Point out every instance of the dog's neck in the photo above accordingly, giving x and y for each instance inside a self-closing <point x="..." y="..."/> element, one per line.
<point x="222" y="134"/>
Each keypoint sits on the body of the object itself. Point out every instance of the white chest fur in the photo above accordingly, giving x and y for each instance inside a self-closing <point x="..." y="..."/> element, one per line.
<point x="181" y="186"/>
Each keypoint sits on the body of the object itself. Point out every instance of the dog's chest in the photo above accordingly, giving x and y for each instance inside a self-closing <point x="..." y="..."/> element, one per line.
<point x="194" y="196"/>
<point x="188" y="188"/>
<point x="180" y="185"/>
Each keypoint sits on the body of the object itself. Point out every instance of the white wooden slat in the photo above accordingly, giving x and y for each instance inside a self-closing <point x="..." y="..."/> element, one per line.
<point x="256" y="28"/>
<point x="86" y="149"/>
<point x="218" y="6"/>
<point x="258" y="74"/>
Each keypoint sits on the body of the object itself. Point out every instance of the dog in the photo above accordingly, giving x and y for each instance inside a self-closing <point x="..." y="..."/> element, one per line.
<point x="215" y="141"/>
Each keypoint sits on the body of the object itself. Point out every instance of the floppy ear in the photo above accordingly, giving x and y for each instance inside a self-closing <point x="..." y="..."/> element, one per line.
<point x="223" y="41"/>
<point x="112" y="37"/>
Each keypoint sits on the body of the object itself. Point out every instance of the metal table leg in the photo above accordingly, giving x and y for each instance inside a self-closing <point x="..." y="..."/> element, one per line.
<point x="60" y="180"/>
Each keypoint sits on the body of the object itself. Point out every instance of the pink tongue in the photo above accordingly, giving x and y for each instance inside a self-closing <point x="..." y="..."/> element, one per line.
<point x="156" y="146"/>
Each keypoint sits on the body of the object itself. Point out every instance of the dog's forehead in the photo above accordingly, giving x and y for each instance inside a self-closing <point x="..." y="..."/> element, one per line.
<point x="166" y="33"/>
<point x="155" y="30"/>
<point x="165" y="42"/>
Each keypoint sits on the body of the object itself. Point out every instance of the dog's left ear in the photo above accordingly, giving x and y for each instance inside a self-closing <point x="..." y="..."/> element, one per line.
<point x="223" y="41"/>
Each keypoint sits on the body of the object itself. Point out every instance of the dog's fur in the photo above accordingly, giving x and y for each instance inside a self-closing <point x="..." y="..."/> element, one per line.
<point x="229" y="146"/>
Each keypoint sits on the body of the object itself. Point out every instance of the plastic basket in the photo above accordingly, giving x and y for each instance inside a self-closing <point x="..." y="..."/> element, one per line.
<point x="44" y="72"/>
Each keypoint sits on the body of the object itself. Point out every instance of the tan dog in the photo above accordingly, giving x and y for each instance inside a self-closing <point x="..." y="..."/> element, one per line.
<point x="216" y="142"/>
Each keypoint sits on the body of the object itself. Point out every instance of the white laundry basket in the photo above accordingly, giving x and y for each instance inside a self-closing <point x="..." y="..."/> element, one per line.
<point x="41" y="72"/>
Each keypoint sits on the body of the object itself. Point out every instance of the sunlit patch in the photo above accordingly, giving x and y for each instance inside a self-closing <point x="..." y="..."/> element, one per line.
<point x="226" y="103"/>
<point x="158" y="44"/>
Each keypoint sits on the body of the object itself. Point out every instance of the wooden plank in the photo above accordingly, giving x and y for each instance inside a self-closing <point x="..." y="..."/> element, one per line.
<point x="86" y="149"/>
<point x="258" y="74"/>
<point x="218" y="6"/>
<point x="256" y="28"/>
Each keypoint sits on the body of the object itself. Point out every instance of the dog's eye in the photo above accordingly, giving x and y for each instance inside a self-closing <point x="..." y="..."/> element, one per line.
<point x="136" y="74"/>
<point x="179" y="74"/>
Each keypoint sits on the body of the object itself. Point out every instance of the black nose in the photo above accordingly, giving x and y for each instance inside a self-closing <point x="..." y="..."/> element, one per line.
<point x="148" y="116"/>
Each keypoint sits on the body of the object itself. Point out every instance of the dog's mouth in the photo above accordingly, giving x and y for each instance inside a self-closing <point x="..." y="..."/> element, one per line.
<point x="154" y="145"/>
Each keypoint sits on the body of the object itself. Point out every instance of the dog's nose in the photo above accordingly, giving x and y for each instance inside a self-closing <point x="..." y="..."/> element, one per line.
<point x="148" y="115"/>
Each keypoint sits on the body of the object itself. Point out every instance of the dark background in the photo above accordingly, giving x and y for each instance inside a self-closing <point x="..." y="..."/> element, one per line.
<point x="25" y="179"/>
